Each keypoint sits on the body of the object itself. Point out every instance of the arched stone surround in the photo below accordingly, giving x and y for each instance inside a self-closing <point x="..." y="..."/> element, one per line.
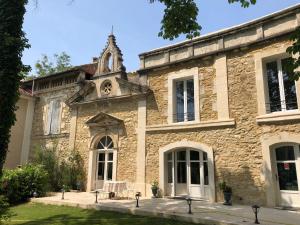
<point x="192" y="145"/>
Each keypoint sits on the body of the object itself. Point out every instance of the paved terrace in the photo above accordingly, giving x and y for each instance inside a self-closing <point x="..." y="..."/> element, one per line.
<point x="203" y="212"/>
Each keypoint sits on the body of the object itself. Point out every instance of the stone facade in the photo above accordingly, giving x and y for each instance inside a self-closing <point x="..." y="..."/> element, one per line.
<point x="232" y="131"/>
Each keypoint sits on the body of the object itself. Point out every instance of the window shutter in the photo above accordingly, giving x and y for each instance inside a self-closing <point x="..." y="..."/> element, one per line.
<point x="48" y="110"/>
<point x="55" y="117"/>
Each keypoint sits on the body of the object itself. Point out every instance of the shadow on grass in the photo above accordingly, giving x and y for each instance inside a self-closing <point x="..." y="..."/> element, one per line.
<point x="40" y="215"/>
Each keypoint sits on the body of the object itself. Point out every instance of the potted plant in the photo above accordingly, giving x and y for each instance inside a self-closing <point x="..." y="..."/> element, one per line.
<point x="154" y="188"/>
<point x="227" y="191"/>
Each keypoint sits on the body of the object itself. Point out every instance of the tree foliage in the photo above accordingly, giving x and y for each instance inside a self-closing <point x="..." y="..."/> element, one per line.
<point x="44" y="66"/>
<point x="12" y="44"/>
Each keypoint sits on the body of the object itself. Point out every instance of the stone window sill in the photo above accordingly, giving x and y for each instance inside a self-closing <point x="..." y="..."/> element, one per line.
<point x="278" y="117"/>
<point x="191" y="125"/>
<point x="49" y="136"/>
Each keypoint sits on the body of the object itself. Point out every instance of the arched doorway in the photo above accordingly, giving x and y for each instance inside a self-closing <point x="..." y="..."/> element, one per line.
<point x="281" y="169"/>
<point x="105" y="161"/>
<point x="187" y="169"/>
<point x="286" y="170"/>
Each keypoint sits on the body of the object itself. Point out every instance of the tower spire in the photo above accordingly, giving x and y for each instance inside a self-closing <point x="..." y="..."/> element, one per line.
<point x="112" y="30"/>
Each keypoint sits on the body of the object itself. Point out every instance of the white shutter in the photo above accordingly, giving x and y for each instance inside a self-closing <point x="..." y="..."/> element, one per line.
<point x="48" y="119"/>
<point x="55" y="117"/>
<point x="45" y="118"/>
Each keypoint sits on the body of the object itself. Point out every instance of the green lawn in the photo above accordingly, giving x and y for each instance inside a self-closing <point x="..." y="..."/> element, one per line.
<point x="36" y="214"/>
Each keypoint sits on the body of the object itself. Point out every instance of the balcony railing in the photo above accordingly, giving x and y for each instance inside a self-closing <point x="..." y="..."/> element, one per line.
<point x="279" y="106"/>
<point x="183" y="117"/>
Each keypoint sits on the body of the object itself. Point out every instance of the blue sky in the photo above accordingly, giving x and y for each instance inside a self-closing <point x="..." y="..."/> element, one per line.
<point x="81" y="28"/>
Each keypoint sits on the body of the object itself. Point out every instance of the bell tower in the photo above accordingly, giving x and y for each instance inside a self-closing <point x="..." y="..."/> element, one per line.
<point x="111" y="60"/>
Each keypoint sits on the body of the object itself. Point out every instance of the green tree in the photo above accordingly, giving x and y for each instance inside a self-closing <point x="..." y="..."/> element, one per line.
<point x="12" y="44"/>
<point x="44" y="66"/>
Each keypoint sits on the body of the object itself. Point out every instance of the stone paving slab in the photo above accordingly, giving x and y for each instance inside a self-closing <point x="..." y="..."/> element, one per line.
<point x="203" y="212"/>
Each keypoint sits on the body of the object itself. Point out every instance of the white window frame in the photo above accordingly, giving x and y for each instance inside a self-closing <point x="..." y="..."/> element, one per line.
<point x="281" y="84"/>
<point x="184" y="74"/>
<point x="185" y="100"/>
<point x="107" y="151"/>
<point x="260" y="59"/>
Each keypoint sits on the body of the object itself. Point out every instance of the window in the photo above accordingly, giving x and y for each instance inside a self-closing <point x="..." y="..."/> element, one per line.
<point x="105" y="158"/>
<point x="53" y="117"/>
<point x="281" y="90"/>
<point x="185" y="104"/>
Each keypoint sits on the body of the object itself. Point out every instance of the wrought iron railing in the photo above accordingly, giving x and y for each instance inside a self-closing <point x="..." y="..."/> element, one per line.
<point x="183" y="117"/>
<point x="281" y="106"/>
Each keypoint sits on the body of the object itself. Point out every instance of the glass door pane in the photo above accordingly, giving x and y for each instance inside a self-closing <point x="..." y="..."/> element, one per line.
<point x="195" y="167"/>
<point x="286" y="168"/>
<point x="181" y="167"/>
<point x="101" y="166"/>
<point x="287" y="176"/>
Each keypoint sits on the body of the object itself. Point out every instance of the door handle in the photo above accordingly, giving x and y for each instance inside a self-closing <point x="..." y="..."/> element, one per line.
<point x="276" y="177"/>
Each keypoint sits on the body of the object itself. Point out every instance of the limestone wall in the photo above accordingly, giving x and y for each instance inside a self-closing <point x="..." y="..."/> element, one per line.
<point x="237" y="150"/>
<point x="38" y="136"/>
<point x="125" y="110"/>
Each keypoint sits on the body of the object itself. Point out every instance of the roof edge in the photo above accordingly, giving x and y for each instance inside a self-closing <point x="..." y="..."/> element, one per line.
<point x="222" y="32"/>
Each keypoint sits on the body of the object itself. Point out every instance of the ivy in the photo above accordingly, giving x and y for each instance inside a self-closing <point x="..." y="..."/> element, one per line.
<point x="12" y="44"/>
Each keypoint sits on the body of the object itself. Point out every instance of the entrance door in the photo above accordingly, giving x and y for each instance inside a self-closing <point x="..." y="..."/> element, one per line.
<point x="187" y="173"/>
<point x="104" y="168"/>
<point x="104" y="162"/>
<point x="288" y="175"/>
<point x="181" y="173"/>
<point x="198" y="173"/>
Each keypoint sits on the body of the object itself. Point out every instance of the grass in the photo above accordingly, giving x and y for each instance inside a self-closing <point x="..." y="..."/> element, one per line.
<point x="36" y="214"/>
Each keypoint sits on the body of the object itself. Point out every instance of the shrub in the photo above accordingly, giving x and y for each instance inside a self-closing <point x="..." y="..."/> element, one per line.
<point x="67" y="173"/>
<point x="18" y="185"/>
<point x="4" y="208"/>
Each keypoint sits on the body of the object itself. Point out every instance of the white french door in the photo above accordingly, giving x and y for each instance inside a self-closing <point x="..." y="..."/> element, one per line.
<point x="187" y="173"/>
<point x="288" y="175"/>
<point x="104" y="171"/>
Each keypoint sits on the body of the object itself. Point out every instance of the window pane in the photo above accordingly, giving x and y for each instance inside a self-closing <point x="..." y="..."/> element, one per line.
<point x="194" y="155"/>
<point x="289" y="86"/>
<point x="179" y="101"/>
<point x="181" y="172"/>
<point x="206" y="179"/>
<point x="287" y="176"/>
<point x="101" y="157"/>
<point x="204" y="156"/>
<point x="170" y="173"/>
<point x="285" y="153"/>
<point x="109" y="170"/>
<point x="190" y="100"/>
<point x="110" y="156"/>
<point x="195" y="173"/>
<point x="101" y="171"/>
<point x="273" y="84"/>
<point x="181" y="155"/>
<point x="170" y="156"/>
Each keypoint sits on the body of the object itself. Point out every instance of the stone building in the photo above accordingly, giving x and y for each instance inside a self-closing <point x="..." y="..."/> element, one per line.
<point x="215" y="108"/>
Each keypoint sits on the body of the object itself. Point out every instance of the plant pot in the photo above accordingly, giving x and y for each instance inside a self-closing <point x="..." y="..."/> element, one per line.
<point x="154" y="192"/>
<point x="227" y="198"/>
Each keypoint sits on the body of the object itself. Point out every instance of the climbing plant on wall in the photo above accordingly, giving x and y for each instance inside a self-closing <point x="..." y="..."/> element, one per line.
<point x="12" y="44"/>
